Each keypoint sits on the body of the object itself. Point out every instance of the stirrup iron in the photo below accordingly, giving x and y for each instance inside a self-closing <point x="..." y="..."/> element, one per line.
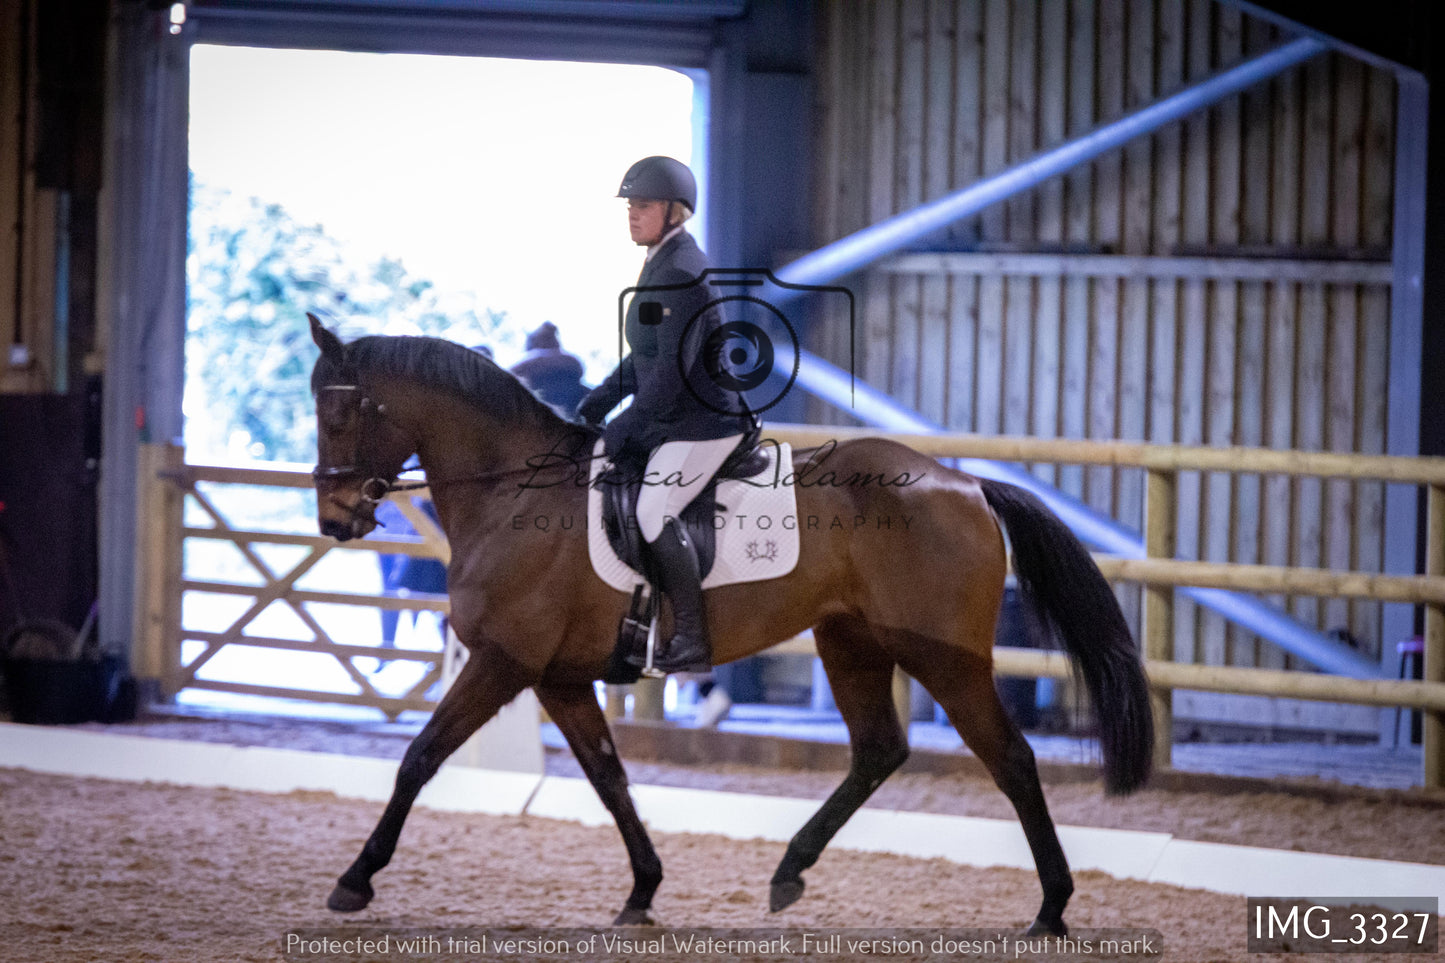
<point x="642" y="616"/>
<point x="648" y="669"/>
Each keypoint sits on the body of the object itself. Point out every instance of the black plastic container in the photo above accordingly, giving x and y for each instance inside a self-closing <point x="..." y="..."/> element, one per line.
<point x="50" y="692"/>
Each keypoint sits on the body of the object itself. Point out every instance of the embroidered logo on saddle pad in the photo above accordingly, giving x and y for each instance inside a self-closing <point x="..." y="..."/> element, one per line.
<point x="756" y="526"/>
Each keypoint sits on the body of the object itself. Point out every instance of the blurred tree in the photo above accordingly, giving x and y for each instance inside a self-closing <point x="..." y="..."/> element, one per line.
<point x="252" y="273"/>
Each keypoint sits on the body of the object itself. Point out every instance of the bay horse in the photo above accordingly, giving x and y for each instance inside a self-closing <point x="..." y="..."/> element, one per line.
<point x="921" y="593"/>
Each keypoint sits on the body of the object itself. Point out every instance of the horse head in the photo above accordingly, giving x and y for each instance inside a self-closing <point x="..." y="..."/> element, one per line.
<point x="359" y="451"/>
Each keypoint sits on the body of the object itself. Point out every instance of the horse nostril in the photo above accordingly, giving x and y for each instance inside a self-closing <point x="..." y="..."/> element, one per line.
<point x="337" y="530"/>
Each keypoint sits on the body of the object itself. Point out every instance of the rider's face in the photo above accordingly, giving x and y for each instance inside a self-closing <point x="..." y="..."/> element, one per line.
<point x="646" y="219"/>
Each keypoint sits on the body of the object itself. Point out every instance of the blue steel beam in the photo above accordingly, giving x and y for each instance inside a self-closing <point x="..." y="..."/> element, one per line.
<point x="844" y="256"/>
<point x="838" y="387"/>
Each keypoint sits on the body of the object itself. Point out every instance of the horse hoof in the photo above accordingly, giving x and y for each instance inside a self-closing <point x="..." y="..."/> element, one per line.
<point x="344" y="900"/>
<point x="1043" y="927"/>
<point x="785" y="892"/>
<point x="634" y="917"/>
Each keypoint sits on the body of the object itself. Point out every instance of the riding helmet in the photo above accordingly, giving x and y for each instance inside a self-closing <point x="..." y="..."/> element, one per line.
<point x="660" y="179"/>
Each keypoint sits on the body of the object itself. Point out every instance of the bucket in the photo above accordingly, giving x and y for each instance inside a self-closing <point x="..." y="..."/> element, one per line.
<point x="54" y="692"/>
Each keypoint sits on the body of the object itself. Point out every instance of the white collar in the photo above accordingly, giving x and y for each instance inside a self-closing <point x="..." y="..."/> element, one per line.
<point x="661" y="241"/>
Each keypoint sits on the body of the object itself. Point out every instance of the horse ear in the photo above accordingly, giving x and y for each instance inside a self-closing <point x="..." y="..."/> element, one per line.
<point x="329" y="343"/>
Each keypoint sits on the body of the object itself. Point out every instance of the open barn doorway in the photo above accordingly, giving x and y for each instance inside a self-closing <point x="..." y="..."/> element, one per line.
<point x="471" y="198"/>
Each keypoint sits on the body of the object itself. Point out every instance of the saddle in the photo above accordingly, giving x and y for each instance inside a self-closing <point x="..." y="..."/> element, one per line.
<point x="621" y="484"/>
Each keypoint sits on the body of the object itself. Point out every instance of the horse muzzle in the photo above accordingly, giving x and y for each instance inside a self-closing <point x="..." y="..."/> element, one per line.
<point x="341" y="531"/>
<point x="360" y="516"/>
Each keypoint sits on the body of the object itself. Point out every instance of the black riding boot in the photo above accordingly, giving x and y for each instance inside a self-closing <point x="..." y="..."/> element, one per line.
<point x="690" y="649"/>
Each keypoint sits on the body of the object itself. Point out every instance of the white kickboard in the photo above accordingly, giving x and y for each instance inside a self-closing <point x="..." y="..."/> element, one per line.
<point x="184" y="762"/>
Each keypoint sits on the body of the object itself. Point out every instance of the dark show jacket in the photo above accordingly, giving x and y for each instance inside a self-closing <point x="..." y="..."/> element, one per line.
<point x="667" y="407"/>
<point x="555" y="377"/>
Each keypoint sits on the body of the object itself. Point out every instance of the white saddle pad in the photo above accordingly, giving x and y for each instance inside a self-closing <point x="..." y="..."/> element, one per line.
<point x="756" y="522"/>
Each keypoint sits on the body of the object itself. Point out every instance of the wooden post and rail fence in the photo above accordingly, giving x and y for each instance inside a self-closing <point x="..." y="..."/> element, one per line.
<point x="167" y="481"/>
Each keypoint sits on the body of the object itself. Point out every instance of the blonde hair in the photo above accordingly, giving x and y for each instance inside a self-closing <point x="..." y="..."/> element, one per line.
<point x="673" y="206"/>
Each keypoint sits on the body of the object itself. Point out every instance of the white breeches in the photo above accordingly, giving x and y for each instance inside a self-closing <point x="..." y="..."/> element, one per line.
<point x="676" y="472"/>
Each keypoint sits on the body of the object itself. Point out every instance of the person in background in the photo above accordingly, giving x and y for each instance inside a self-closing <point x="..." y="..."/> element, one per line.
<point x="553" y="375"/>
<point x="406" y="573"/>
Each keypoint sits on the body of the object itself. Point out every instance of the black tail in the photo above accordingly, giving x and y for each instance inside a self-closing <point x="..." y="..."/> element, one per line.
<point x="1066" y="588"/>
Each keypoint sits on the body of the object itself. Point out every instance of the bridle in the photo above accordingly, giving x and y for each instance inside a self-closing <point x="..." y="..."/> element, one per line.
<point x="377" y="483"/>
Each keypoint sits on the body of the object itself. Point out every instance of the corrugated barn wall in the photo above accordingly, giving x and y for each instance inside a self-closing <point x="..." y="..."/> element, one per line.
<point x="1128" y="299"/>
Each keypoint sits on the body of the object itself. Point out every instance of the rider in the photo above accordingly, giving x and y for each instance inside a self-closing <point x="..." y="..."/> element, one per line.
<point x="679" y="416"/>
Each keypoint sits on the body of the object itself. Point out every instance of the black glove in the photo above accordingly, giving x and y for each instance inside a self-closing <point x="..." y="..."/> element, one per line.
<point x="596" y="405"/>
<point x="625" y="438"/>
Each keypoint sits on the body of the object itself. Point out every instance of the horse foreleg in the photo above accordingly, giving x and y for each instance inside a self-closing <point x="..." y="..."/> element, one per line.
<point x="861" y="676"/>
<point x="575" y="711"/>
<point x="488" y="681"/>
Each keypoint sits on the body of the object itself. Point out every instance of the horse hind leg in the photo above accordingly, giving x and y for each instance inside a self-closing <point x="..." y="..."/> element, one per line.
<point x="488" y="681"/>
<point x="861" y="676"/>
<point x="576" y="713"/>
<point x="963" y="684"/>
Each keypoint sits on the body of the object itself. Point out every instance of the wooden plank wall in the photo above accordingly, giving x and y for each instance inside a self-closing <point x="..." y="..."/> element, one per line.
<point x="919" y="97"/>
<point x="27" y="215"/>
<point x="12" y="89"/>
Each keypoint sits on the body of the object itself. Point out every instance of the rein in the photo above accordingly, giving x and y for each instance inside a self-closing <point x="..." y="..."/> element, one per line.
<point x="482" y="477"/>
<point x="377" y="486"/>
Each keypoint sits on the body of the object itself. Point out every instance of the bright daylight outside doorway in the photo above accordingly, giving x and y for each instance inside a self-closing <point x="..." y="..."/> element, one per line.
<point x="469" y="198"/>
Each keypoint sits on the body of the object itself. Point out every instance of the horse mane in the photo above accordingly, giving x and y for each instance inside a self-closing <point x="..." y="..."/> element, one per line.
<point x="445" y="366"/>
